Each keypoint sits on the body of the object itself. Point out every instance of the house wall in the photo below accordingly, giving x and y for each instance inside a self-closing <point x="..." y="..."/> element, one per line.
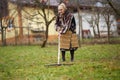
<point x="102" y="24"/>
<point x="29" y="21"/>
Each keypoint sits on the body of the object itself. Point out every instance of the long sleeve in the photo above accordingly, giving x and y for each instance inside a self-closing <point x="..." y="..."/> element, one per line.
<point x="57" y="23"/>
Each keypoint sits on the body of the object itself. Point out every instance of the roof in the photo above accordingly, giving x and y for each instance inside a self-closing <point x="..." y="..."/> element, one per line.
<point x="56" y="2"/>
<point x="83" y="4"/>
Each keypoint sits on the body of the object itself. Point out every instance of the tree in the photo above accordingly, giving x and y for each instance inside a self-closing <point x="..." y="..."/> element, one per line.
<point x="44" y="14"/>
<point x="108" y="16"/>
<point x="3" y="14"/>
<point x="115" y="5"/>
<point x="94" y="21"/>
<point x="97" y="20"/>
<point x="19" y="10"/>
<point x="40" y="5"/>
<point x="91" y="21"/>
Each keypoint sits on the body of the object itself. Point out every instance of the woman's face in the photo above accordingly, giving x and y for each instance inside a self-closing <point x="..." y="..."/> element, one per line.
<point x="61" y="10"/>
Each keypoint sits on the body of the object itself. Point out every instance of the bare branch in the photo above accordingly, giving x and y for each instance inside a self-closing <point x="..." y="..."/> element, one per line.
<point x="52" y="20"/>
<point x="40" y="13"/>
<point x="116" y="11"/>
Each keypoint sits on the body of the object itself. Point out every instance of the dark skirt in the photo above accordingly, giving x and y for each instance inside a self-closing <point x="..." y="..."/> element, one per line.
<point x="68" y="41"/>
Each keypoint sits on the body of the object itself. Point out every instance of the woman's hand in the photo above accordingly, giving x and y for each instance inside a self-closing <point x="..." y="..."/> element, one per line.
<point x="58" y="29"/>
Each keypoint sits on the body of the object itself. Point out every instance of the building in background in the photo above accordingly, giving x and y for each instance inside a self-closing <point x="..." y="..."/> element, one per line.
<point x="30" y="18"/>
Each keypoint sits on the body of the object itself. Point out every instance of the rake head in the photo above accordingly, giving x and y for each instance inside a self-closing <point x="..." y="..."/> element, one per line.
<point x="50" y="65"/>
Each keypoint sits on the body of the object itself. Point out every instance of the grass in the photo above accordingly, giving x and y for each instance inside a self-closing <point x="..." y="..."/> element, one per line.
<point x="96" y="62"/>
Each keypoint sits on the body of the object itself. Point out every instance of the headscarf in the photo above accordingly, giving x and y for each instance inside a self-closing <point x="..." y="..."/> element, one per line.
<point x="62" y="5"/>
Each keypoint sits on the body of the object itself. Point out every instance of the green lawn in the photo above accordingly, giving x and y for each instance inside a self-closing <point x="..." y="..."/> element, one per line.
<point x="96" y="62"/>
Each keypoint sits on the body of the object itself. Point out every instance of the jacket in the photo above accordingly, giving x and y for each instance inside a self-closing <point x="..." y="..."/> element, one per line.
<point x="67" y="22"/>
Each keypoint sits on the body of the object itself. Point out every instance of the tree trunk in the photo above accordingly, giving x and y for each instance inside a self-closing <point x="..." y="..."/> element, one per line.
<point x="108" y="34"/>
<point x="94" y="31"/>
<point x="98" y="25"/>
<point x="3" y="13"/>
<point x="20" y="21"/>
<point x="2" y="38"/>
<point x="108" y="27"/>
<point x="98" y="30"/>
<point x="46" y="37"/>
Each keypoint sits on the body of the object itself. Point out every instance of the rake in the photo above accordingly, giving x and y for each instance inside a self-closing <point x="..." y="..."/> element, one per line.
<point x="58" y="62"/>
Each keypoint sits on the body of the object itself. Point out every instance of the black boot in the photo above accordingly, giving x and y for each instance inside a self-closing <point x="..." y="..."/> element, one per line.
<point x="72" y="55"/>
<point x="63" y="55"/>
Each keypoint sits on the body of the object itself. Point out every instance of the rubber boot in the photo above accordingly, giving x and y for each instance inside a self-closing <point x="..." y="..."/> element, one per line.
<point x="63" y="55"/>
<point x="72" y="55"/>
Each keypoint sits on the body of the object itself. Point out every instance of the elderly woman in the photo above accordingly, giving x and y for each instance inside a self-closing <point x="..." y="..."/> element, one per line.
<point x="66" y="26"/>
